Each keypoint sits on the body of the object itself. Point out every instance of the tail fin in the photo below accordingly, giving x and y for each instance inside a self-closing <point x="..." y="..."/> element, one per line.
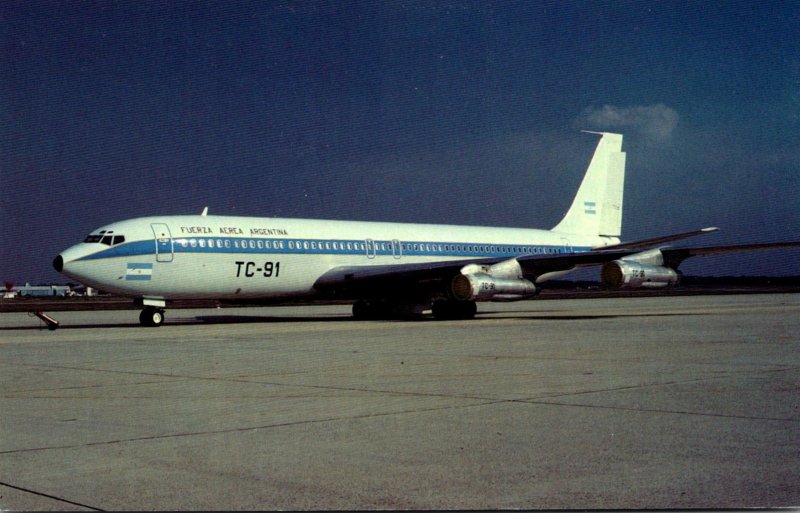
<point x="597" y="207"/>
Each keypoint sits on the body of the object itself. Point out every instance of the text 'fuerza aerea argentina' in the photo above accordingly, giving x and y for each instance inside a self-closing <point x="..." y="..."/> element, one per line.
<point x="230" y="230"/>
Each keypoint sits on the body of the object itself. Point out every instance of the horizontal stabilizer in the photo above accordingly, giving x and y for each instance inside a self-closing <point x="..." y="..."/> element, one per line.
<point x="658" y="240"/>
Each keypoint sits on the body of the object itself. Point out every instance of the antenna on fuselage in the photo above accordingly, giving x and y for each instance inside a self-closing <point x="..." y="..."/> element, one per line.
<point x="204" y="212"/>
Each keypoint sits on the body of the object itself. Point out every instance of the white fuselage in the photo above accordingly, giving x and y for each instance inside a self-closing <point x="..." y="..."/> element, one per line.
<point x="221" y="257"/>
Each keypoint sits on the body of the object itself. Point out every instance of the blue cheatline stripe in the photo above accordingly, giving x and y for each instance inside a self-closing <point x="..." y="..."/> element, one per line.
<point x="138" y="277"/>
<point x="359" y="247"/>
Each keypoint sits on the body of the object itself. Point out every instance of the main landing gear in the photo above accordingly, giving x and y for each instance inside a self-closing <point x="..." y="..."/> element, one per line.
<point x="152" y="317"/>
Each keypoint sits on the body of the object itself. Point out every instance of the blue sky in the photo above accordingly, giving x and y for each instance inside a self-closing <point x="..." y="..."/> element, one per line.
<point x="440" y="112"/>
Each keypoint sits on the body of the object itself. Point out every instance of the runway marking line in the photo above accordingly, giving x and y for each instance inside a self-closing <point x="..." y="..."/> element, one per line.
<point x="673" y="412"/>
<point x="250" y="428"/>
<point x="42" y="494"/>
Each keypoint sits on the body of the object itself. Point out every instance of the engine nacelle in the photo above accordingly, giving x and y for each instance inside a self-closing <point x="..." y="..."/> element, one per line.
<point x="624" y="274"/>
<point x="484" y="287"/>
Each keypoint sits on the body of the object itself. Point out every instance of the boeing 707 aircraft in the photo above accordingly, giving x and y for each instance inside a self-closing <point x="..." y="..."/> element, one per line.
<point x="387" y="269"/>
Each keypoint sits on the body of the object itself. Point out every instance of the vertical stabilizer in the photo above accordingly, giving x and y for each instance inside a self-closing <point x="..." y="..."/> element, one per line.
<point x="597" y="207"/>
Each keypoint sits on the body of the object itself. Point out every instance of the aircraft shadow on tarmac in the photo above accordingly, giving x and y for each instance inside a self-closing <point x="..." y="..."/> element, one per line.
<point x="253" y="319"/>
<point x="528" y="316"/>
<point x="242" y="319"/>
<point x="196" y="321"/>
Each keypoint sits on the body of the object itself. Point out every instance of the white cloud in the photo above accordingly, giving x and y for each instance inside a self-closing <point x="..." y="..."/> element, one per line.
<point x="655" y="121"/>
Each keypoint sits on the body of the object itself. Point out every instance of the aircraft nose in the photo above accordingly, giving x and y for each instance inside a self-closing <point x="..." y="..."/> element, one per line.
<point x="58" y="263"/>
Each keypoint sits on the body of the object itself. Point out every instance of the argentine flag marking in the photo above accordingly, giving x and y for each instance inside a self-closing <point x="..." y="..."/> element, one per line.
<point x="140" y="272"/>
<point x="589" y="207"/>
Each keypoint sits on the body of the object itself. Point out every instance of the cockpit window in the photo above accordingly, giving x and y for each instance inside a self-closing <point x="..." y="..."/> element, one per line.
<point x="107" y="238"/>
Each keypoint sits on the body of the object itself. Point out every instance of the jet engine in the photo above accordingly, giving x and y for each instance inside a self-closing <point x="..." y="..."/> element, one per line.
<point x="484" y="287"/>
<point x="626" y="274"/>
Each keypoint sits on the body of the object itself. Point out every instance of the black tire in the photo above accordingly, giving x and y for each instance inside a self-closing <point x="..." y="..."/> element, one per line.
<point x="362" y="310"/>
<point x="151" y="317"/>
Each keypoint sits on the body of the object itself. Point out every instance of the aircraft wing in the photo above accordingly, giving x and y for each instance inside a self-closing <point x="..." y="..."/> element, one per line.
<point x="363" y="278"/>
<point x="419" y="278"/>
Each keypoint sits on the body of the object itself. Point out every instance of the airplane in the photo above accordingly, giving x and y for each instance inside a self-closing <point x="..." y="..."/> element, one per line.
<point x="389" y="270"/>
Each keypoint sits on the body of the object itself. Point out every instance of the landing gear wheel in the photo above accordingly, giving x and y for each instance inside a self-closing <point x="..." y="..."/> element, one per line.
<point x="362" y="310"/>
<point x="152" y="317"/>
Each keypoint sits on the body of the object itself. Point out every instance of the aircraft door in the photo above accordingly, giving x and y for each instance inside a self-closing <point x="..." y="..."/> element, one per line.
<point x="164" y="249"/>
<point x="397" y="249"/>
<point x="371" y="248"/>
<point x="567" y="245"/>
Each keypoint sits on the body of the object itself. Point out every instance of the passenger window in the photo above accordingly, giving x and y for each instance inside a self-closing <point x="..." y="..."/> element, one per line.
<point x="202" y="243"/>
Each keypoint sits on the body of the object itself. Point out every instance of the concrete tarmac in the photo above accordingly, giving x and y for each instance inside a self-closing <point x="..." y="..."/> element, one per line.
<point x="662" y="402"/>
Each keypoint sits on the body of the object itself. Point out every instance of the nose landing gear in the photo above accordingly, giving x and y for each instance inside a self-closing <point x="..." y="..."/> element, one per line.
<point x="152" y="317"/>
